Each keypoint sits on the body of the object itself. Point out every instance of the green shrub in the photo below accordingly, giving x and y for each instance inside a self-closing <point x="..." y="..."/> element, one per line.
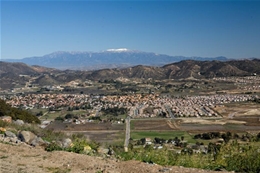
<point x="240" y="158"/>
<point x="7" y="110"/>
<point x="78" y="146"/>
<point x="50" y="135"/>
<point x="53" y="147"/>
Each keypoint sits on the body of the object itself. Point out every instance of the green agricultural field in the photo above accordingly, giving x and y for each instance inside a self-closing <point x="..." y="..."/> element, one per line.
<point x="164" y="135"/>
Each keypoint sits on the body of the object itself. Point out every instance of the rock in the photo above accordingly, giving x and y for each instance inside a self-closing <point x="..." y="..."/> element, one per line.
<point x="111" y="151"/>
<point x="2" y="136"/>
<point x="37" y="141"/>
<point x="2" y="129"/>
<point x="66" y="142"/>
<point x="103" y="150"/>
<point x="10" y="134"/>
<point x="165" y="170"/>
<point x="7" y="140"/>
<point x="6" y="119"/>
<point x="27" y="136"/>
<point x="59" y="143"/>
<point x="15" y="140"/>
<point x="19" y="122"/>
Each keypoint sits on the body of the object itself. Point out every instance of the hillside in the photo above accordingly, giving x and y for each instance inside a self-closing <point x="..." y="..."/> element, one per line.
<point x="183" y="70"/>
<point x="22" y="158"/>
<point x="18" y="74"/>
<point x="15" y="113"/>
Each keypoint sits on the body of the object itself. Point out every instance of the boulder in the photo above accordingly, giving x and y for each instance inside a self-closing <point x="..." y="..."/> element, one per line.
<point x="15" y="140"/>
<point x="2" y="136"/>
<point x="19" y="122"/>
<point x="102" y="150"/>
<point x="37" y="141"/>
<point x="6" y="119"/>
<point x="59" y="143"/>
<point x="2" y="129"/>
<point x="66" y="142"/>
<point x="27" y="136"/>
<point x="10" y="134"/>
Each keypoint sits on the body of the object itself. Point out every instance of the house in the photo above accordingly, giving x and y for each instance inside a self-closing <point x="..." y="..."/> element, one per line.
<point x="148" y="141"/>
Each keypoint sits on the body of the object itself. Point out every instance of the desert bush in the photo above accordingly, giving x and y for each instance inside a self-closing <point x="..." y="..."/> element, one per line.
<point x="50" y="135"/>
<point x="53" y="147"/>
<point x="78" y="146"/>
<point x="15" y="113"/>
<point x="240" y="157"/>
<point x="231" y="156"/>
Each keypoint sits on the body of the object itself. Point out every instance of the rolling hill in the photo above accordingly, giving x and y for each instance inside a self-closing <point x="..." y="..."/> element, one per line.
<point x="20" y="73"/>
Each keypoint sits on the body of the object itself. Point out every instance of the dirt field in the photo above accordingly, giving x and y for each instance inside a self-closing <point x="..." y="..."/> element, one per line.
<point x="236" y="117"/>
<point x="248" y="112"/>
<point x="60" y="126"/>
<point x="99" y="132"/>
<point x="102" y="136"/>
<point x="152" y="124"/>
<point x="239" y="109"/>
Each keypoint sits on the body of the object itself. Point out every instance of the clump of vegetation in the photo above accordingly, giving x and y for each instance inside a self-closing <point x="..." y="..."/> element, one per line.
<point x="34" y="128"/>
<point x="230" y="155"/>
<point x="15" y="113"/>
<point x="114" y="111"/>
<point x="239" y="157"/>
<point x="79" y="144"/>
<point x="50" y="135"/>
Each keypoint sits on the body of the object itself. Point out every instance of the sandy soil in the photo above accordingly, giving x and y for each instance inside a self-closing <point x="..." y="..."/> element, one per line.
<point x="26" y="159"/>
<point x="253" y="112"/>
<point x="239" y="109"/>
<point x="213" y="121"/>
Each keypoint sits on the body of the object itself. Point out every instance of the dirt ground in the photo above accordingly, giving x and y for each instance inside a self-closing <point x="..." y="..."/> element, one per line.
<point x="26" y="159"/>
<point x="152" y="124"/>
<point x="239" y="109"/>
<point x="211" y="121"/>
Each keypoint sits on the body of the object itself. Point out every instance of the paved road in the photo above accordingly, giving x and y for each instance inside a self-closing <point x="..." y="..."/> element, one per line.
<point x="231" y="116"/>
<point x="127" y="132"/>
<point x="169" y="111"/>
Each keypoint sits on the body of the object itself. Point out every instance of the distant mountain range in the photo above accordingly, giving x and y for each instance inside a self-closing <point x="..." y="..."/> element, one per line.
<point x="111" y="58"/>
<point x="13" y="74"/>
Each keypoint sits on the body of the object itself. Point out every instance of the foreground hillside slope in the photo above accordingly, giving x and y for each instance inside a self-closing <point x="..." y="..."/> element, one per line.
<point x="28" y="159"/>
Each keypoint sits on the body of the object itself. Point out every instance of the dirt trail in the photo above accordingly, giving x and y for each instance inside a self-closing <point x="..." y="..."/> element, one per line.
<point x="172" y="124"/>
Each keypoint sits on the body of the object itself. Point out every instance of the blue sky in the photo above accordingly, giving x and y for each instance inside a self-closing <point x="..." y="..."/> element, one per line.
<point x="187" y="28"/>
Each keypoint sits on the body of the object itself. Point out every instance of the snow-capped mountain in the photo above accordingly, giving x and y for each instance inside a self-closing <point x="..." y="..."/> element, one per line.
<point x="118" y="50"/>
<point x="110" y="58"/>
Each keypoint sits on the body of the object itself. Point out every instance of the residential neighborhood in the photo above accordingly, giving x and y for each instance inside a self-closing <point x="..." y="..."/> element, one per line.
<point x="138" y="105"/>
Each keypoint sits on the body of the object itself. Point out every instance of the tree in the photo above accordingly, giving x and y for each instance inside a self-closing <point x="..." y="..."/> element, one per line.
<point x="39" y="114"/>
<point x="258" y="136"/>
<point x="59" y="119"/>
<point x="69" y="116"/>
